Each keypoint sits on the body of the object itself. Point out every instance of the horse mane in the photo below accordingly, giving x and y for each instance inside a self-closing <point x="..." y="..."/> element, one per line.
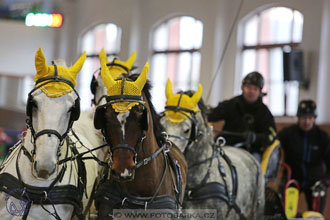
<point x="158" y="127"/>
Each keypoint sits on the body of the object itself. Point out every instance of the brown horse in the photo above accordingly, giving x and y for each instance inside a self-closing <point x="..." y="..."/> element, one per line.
<point x="147" y="171"/>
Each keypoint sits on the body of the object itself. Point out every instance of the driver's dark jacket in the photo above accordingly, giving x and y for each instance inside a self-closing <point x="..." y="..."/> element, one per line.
<point x="307" y="153"/>
<point x="241" y="116"/>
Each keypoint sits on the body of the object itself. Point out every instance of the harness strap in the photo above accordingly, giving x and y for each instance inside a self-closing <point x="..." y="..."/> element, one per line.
<point x="79" y="155"/>
<point x="49" y="131"/>
<point x="146" y="160"/>
<point x="213" y="190"/>
<point x="110" y="192"/>
<point x="178" y="178"/>
<point x="100" y="99"/>
<point x="26" y="153"/>
<point x="52" y="194"/>
<point x="218" y="190"/>
<point x="67" y="194"/>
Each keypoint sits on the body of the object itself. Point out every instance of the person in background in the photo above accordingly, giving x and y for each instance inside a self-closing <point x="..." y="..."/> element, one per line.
<point x="307" y="150"/>
<point x="247" y="119"/>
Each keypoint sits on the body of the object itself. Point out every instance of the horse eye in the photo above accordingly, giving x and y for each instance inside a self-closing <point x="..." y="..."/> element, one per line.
<point x="139" y="109"/>
<point x="186" y="131"/>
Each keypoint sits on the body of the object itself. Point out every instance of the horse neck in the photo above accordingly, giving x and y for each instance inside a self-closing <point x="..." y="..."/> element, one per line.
<point x="197" y="152"/>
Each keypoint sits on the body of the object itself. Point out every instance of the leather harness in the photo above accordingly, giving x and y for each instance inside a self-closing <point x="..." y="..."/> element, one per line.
<point x="52" y="194"/>
<point x="109" y="191"/>
<point x="211" y="189"/>
<point x="215" y="189"/>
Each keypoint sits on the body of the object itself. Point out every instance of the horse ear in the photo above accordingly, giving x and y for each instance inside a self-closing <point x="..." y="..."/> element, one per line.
<point x="103" y="56"/>
<point x="168" y="90"/>
<point x="41" y="64"/>
<point x="105" y="73"/>
<point x="142" y="79"/>
<point x="131" y="60"/>
<point x="74" y="70"/>
<point x="198" y="94"/>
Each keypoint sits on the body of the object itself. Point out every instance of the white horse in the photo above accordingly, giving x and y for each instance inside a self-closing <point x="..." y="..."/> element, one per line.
<point x="225" y="179"/>
<point x="44" y="175"/>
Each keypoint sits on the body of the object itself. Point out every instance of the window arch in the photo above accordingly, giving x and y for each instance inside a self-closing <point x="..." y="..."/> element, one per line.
<point x="266" y="35"/>
<point x="107" y="36"/>
<point x="176" y="45"/>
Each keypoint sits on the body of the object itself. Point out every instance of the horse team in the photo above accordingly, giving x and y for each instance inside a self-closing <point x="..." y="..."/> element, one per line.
<point x="123" y="155"/>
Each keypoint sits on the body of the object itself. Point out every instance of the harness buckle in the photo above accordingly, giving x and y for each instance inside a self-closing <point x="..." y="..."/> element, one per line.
<point x="46" y="196"/>
<point x="145" y="161"/>
<point x="166" y="150"/>
<point x="24" y="190"/>
<point x="123" y="201"/>
<point x="176" y="190"/>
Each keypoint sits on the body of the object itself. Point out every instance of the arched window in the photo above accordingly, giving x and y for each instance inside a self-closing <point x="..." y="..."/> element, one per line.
<point x="176" y="45"/>
<point x="266" y="35"/>
<point x="107" y="36"/>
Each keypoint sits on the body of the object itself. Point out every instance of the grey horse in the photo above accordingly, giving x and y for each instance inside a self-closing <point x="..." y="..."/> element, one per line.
<point x="223" y="178"/>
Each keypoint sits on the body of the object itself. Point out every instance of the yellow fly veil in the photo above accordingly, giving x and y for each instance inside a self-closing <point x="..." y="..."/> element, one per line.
<point x="130" y="88"/>
<point x="56" y="89"/>
<point x="117" y="71"/>
<point x="186" y="102"/>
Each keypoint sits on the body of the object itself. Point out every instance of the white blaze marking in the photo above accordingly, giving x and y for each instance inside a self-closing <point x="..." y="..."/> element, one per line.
<point x="122" y="120"/>
<point x="126" y="173"/>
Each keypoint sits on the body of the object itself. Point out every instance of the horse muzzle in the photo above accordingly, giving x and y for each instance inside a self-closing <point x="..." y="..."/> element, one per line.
<point x="42" y="173"/>
<point x="125" y="176"/>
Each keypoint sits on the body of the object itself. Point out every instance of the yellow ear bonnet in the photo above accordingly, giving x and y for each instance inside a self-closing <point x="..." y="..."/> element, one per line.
<point x="114" y="87"/>
<point x="56" y="89"/>
<point x="186" y="102"/>
<point x="117" y="71"/>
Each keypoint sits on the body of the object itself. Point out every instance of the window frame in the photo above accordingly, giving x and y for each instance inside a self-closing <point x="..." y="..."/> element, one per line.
<point x="292" y="44"/>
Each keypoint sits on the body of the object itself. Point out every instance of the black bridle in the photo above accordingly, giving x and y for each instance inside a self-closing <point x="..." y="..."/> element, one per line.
<point x="134" y="149"/>
<point x="195" y="133"/>
<point x="75" y="111"/>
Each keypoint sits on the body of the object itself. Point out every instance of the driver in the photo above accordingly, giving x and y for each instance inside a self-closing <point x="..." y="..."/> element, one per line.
<point x="306" y="149"/>
<point x="247" y="117"/>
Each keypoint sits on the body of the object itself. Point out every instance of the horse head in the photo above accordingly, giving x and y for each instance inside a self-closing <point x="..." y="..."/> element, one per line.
<point x="116" y="69"/>
<point x="123" y="119"/>
<point x="52" y="107"/>
<point x="182" y="117"/>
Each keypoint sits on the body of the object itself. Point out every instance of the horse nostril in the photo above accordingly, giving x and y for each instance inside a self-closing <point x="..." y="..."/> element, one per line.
<point x="43" y="174"/>
<point x="114" y="173"/>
